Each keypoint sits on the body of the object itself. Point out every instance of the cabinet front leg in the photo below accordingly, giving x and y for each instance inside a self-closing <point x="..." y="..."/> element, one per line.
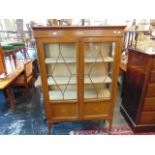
<point x="15" y="59"/>
<point x="110" y="126"/>
<point x="49" y="128"/>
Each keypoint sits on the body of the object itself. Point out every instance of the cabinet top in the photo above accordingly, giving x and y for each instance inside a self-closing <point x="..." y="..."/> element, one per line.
<point x="148" y="50"/>
<point x="78" y="31"/>
<point x="79" y="27"/>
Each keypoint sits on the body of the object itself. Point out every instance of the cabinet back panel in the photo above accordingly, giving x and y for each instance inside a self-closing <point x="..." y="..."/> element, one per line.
<point x="67" y="50"/>
<point x="97" y="69"/>
<point x="61" y="69"/>
<point x="92" y="49"/>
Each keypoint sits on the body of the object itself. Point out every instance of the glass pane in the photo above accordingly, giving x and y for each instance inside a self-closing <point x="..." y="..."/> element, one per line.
<point x="60" y="59"/>
<point x="98" y="70"/>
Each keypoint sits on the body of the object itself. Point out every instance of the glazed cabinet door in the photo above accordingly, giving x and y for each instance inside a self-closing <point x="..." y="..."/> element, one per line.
<point x="99" y="78"/>
<point x="59" y="71"/>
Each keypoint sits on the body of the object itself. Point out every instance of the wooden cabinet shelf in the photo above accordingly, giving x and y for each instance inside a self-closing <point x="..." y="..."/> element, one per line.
<point x="108" y="59"/>
<point x="60" y="60"/>
<point x="73" y="60"/>
<point x="92" y="60"/>
<point x="97" y="79"/>
<point x="72" y="95"/>
<point x="72" y="80"/>
<point x="79" y="70"/>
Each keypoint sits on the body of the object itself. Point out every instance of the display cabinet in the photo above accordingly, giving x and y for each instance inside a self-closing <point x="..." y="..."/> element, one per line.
<point x="79" y="69"/>
<point x="138" y="94"/>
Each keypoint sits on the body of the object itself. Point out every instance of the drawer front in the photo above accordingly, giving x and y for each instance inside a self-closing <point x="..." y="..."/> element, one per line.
<point x="149" y="104"/>
<point x="63" y="111"/>
<point x="154" y="63"/>
<point x="147" y="118"/>
<point x="95" y="110"/>
<point x="152" y="76"/>
<point x="150" y="90"/>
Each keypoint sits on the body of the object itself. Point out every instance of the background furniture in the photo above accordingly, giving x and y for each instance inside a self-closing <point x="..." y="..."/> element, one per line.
<point x="27" y="78"/>
<point x="8" y="51"/>
<point x="11" y="49"/>
<point x="2" y="63"/>
<point x="79" y="70"/>
<point x="6" y="85"/>
<point x="13" y="73"/>
<point x="20" y="46"/>
<point x="133" y="37"/>
<point x="138" y="95"/>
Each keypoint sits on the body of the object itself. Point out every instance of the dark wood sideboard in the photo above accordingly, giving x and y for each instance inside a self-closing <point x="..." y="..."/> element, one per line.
<point x="138" y="94"/>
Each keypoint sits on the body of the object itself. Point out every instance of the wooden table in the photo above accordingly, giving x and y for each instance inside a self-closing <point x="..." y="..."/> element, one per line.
<point x="6" y="85"/>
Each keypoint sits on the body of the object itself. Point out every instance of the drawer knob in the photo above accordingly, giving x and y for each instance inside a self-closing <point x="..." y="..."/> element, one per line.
<point x="54" y="33"/>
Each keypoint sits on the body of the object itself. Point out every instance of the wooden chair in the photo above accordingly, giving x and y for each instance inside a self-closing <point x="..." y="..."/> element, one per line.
<point x="27" y="78"/>
<point x="8" y="51"/>
<point x="20" y="47"/>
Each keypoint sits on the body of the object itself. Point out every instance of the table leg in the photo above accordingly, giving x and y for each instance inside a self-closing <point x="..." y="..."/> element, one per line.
<point x="14" y="59"/>
<point x="5" y="94"/>
<point x="11" y="98"/>
<point x="25" y="53"/>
